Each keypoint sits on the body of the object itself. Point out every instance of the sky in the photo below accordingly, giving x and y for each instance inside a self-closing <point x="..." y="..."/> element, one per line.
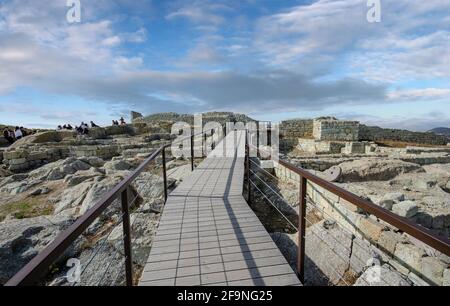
<point x="271" y="59"/>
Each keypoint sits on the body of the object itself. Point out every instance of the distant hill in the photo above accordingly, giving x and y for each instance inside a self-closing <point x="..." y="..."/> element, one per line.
<point x="441" y="131"/>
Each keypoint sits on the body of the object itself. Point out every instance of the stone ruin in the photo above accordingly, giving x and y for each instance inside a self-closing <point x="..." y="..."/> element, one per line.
<point x="328" y="135"/>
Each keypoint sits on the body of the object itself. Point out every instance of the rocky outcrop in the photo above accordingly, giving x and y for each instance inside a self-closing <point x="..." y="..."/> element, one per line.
<point x="366" y="169"/>
<point x="21" y="240"/>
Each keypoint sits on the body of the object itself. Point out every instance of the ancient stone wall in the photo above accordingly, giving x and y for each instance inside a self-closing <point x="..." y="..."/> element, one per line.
<point x="23" y="159"/>
<point x="373" y="133"/>
<point x="320" y="147"/>
<point x="297" y="128"/>
<point x="220" y="117"/>
<point x="406" y="254"/>
<point x="335" y="130"/>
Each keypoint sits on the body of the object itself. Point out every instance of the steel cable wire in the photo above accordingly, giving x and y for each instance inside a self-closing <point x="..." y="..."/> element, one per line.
<point x="334" y="238"/>
<point x="313" y="204"/>
<point x="103" y="243"/>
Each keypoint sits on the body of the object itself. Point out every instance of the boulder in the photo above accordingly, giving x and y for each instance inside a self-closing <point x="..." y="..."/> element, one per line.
<point x="93" y="161"/>
<point x="82" y="176"/>
<point x="40" y="191"/>
<point x="382" y="276"/>
<point x="390" y="199"/>
<point x="424" y="184"/>
<point x="118" y="165"/>
<point x="407" y="209"/>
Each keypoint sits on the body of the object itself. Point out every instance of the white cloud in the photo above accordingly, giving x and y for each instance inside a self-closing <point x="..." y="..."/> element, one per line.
<point x="415" y="94"/>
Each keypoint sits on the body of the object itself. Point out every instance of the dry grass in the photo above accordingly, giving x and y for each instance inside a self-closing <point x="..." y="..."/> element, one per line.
<point x="402" y="144"/>
<point x="27" y="208"/>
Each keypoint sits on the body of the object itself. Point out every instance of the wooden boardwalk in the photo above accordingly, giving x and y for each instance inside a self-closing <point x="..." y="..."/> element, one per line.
<point x="208" y="235"/>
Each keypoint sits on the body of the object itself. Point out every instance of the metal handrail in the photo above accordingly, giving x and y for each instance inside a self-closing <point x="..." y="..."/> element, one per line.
<point x="40" y="264"/>
<point x="421" y="233"/>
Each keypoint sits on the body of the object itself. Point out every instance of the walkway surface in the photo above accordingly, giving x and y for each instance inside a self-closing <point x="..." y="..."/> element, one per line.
<point x="208" y="235"/>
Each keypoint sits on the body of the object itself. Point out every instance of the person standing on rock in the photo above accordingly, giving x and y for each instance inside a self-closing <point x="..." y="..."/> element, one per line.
<point x="18" y="133"/>
<point x="8" y="136"/>
<point x="93" y="125"/>
<point x="122" y="121"/>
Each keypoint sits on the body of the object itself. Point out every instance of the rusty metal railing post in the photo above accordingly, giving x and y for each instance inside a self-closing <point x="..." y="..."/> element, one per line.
<point x="127" y="238"/>
<point x="257" y="139"/>
<point x="302" y="230"/>
<point x="212" y="139"/>
<point x="247" y="161"/>
<point x="166" y="193"/>
<point x="192" y="152"/>
<point x="204" y="148"/>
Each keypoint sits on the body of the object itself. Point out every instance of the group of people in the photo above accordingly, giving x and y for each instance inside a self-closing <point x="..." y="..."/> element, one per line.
<point x="12" y="136"/>
<point x="65" y="127"/>
<point x="120" y="122"/>
<point x="83" y="129"/>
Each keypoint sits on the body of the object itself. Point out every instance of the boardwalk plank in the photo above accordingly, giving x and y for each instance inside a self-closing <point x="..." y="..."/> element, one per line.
<point x="208" y="235"/>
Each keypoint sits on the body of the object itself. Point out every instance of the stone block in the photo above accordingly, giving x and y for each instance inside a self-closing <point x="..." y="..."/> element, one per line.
<point x="446" y="277"/>
<point x="433" y="269"/>
<point x="388" y="241"/>
<point x="409" y="255"/>
<point x="407" y="209"/>
<point x="370" y="228"/>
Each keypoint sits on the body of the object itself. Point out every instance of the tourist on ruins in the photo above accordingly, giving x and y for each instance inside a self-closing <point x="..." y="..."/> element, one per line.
<point x="59" y="128"/>
<point x="69" y="127"/>
<point x="93" y="125"/>
<point x="8" y="136"/>
<point x="122" y="121"/>
<point x="18" y="133"/>
<point x="84" y="128"/>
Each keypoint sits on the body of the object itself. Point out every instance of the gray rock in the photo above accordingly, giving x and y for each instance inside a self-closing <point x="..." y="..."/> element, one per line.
<point x="410" y="256"/>
<point x="388" y="241"/>
<point x="366" y="169"/>
<point x="417" y="280"/>
<point x="118" y="165"/>
<point x="329" y="250"/>
<point x="36" y="192"/>
<point x="382" y="276"/>
<point x="82" y="176"/>
<point x="424" y="184"/>
<point x="21" y="240"/>
<point x="446" y="278"/>
<point x="71" y="197"/>
<point x="390" y="199"/>
<point x="93" y="161"/>
<point x="56" y="174"/>
<point x="96" y="191"/>
<point x="143" y="229"/>
<point x="407" y="209"/>
<point x="433" y="269"/>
